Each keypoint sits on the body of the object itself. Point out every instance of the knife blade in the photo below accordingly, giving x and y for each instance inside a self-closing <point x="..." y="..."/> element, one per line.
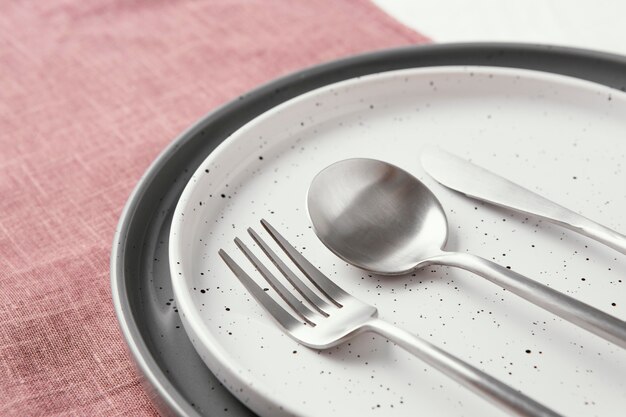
<point x="478" y="183"/>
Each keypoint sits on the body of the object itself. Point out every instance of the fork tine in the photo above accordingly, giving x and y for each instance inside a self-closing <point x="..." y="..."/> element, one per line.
<point x="325" y="285"/>
<point x="303" y="311"/>
<point x="282" y="316"/>
<point x="319" y="304"/>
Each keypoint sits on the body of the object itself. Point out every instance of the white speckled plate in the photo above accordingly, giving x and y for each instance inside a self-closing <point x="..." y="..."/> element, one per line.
<point x="563" y="137"/>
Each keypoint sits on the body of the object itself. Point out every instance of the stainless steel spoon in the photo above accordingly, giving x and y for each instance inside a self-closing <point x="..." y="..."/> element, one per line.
<point x="380" y="218"/>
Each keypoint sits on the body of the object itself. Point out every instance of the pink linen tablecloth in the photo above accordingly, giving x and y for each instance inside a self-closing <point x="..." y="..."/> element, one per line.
<point x="90" y="93"/>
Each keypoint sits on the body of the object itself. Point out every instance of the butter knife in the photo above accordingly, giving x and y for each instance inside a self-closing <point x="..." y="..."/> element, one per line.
<point x="476" y="182"/>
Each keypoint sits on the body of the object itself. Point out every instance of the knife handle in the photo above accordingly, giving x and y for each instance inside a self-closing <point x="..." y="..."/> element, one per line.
<point x="596" y="231"/>
<point x="564" y="306"/>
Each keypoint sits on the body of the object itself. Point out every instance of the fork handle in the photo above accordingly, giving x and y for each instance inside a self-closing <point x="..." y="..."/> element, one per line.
<point x="473" y="378"/>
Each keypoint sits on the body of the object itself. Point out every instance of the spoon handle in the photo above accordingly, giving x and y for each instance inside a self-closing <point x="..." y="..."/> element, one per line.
<point x="564" y="306"/>
<point x="472" y="378"/>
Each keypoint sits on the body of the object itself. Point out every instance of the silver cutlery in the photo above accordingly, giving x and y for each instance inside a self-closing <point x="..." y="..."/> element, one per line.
<point x="476" y="182"/>
<point x="335" y="316"/>
<point x="380" y="218"/>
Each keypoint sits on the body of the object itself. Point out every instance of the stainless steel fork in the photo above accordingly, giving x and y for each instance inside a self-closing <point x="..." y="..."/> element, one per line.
<point x="337" y="316"/>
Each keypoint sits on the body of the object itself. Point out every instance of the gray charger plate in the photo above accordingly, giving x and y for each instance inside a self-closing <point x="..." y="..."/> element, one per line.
<point x="173" y="374"/>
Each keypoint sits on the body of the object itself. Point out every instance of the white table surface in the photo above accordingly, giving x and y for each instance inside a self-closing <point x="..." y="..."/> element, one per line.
<point x="596" y="24"/>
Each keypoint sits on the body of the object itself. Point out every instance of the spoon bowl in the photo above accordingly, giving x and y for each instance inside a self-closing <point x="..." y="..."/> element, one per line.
<point x="376" y="216"/>
<point x="380" y="218"/>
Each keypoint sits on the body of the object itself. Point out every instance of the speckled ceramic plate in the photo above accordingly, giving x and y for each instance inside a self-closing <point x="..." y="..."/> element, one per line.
<point x="558" y="135"/>
<point x="173" y="373"/>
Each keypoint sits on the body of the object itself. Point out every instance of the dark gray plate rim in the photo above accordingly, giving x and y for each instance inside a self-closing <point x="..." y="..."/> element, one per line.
<point x="138" y="246"/>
